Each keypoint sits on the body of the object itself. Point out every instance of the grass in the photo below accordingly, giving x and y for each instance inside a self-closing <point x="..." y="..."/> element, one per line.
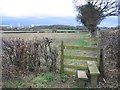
<point x="41" y="81"/>
<point x="86" y="41"/>
<point x="44" y="81"/>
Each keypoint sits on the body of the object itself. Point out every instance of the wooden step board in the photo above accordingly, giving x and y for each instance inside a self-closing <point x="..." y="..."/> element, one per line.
<point x="81" y="74"/>
<point x="94" y="72"/>
<point x="82" y="78"/>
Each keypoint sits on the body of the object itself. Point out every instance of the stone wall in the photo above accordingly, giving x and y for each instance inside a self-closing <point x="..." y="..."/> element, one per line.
<point x="110" y="43"/>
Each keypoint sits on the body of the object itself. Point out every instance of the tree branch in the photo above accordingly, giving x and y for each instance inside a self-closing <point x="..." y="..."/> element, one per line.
<point x="95" y="2"/>
<point x="112" y="13"/>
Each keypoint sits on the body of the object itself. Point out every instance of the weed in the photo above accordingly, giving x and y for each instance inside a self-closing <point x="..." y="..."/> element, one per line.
<point x="63" y="77"/>
<point x="44" y="81"/>
<point x="49" y="77"/>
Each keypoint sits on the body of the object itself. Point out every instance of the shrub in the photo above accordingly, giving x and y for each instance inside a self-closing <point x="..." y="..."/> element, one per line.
<point x="21" y="57"/>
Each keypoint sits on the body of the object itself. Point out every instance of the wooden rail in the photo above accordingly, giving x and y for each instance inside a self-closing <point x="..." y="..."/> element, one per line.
<point x="82" y="58"/>
<point x="76" y="67"/>
<point x="70" y="72"/>
<point x="81" y="48"/>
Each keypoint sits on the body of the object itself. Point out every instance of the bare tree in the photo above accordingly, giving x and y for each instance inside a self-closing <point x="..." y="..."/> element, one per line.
<point x="94" y="11"/>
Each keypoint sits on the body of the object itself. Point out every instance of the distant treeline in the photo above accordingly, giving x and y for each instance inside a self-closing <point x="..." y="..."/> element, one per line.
<point x="51" y="27"/>
<point x="54" y="27"/>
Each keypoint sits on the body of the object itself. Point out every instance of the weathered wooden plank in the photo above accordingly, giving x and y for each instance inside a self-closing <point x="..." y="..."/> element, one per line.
<point x="81" y="57"/>
<point x="98" y="58"/>
<point x="93" y="68"/>
<point x="76" y="67"/>
<point x="81" y="48"/>
<point x="69" y="72"/>
<point x="101" y="63"/>
<point x="81" y="74"/>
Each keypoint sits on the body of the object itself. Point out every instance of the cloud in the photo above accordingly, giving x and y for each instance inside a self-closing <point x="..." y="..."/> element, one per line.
<point x="37" y="8"/>
<point x="44" y="8"/>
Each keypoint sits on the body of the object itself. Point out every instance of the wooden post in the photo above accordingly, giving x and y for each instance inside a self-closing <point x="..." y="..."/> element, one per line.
<point x="98" y="57"/>
<point x="62" y="58"/>
<point x="82" y="78"/>
<point x="99" y="54"/>
<point x="93" y="80"/>
<point x="101" y="67"/>
<point x="94" y="72"/>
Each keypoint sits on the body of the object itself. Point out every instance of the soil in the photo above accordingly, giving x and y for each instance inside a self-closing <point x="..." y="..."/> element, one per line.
<point x="65" y="84"/>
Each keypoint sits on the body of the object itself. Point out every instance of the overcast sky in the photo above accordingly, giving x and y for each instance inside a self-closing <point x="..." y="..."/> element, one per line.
<point x="40" y="9"/>
<point x="37" y="8"/>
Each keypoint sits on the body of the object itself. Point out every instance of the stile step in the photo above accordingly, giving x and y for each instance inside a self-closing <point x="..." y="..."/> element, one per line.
<point x="82" y="78"/>
<point x="94" y="72"/>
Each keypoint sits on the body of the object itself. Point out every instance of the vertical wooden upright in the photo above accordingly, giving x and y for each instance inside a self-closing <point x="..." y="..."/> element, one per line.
<point x="101" y="63"/>
<point x="98" y="54"/>
<point x="62" y="58"/>
<point x="98" y="58"/>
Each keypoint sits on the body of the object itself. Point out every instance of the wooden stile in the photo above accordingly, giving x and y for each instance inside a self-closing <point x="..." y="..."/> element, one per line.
<point x="93" y="65"/>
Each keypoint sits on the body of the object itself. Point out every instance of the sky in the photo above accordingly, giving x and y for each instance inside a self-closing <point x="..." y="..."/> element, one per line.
<point x="43" y="12"/>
